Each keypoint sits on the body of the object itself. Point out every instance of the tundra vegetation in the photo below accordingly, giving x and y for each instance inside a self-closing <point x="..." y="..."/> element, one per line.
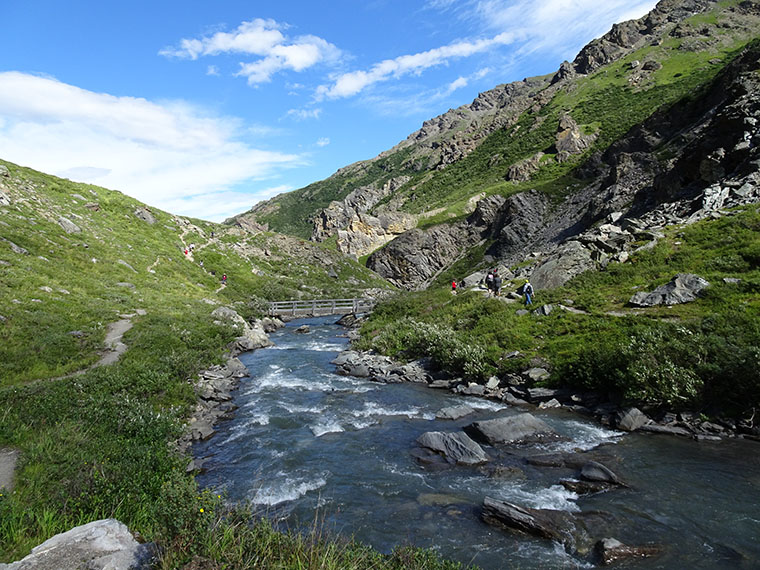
<point x="97" y="442"/>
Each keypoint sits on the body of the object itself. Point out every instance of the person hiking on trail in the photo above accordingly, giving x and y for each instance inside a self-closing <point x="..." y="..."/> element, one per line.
<point x="496" y="285"/>
<point x="224" y="279"/>
<point x="454" y="287"/>
<point x="489" y="282"/>
<point x="527" y="290"/>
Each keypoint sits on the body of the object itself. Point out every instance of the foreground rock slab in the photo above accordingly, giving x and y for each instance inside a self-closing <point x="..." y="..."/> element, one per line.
<point x="100" y="545"/>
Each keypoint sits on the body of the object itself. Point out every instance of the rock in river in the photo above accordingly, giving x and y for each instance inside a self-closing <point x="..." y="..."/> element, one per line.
<point x="455" y="447"/>
<point x="514" y="429"/>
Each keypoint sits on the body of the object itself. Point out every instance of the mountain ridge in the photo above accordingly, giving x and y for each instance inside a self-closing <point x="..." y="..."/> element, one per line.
<point x="548" y="127"/>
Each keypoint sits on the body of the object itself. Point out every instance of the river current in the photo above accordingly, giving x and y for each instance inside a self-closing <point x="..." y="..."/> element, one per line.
<point x="308" y="445"/>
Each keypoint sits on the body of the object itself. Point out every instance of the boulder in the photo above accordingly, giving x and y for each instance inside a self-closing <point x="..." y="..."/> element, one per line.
<point x="513" y="429"/>
<point x="454" y="412"/>
<point x="99" y="545"/>
<point x="456" y="447"/>
<point x="683" y="288"/>
<point x="68" y="226"/>
<point x="145" y="215"/>
<point x="554" y="525"/>
<point x="303" y="329"/>
<point x="596" y="472"/>
<point x="5" y="200"/>
<point x="610" y="550"/>
<point x="631" y="419"/>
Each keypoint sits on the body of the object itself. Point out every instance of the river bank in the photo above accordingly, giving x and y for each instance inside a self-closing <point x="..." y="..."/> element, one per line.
<point x="305" y="440"/>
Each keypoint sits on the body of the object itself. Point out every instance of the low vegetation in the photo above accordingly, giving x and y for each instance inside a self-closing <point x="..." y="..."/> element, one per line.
<point x="700" y="356"/>
<point x="97" y="442"/>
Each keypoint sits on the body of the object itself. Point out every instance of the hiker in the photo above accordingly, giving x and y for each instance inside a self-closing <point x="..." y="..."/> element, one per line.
<point x="496" y="285"/>
<point x="224" y="279"/>
<point x="201" y="263"/>
<point x="186" y="252"/>
<point x="454" y="287"/>
<point x="527" y="290"/>
<point x="489" y="282"/>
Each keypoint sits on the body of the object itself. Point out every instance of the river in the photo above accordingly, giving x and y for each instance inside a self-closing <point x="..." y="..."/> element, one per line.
<point x="308" y="445"/>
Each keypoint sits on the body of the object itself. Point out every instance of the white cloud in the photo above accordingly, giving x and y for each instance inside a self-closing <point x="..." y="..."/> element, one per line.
<point x="158" y="153"/>
<point x="352" y="83"/>
<point x="304" y="114"/>
<point x="265" y="40"/>
<point x="560" y="25"/>
<point x="212" y="70"/>
<point x="324" y="141"/>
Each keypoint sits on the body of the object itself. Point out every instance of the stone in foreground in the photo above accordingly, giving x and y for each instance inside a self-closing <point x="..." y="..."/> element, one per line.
<point x="100" y="545"/>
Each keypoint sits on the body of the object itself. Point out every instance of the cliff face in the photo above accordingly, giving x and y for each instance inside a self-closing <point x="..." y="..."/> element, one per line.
<point x="610" y="131"/>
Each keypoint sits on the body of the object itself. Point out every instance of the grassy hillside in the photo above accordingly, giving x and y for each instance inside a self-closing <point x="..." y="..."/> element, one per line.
<point x="607" y="103"/>
<point x="98" y="444"/>
<point x="700" y="356"/>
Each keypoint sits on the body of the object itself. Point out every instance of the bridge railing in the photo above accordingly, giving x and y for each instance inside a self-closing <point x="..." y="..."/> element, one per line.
<point x="318" y="307"/>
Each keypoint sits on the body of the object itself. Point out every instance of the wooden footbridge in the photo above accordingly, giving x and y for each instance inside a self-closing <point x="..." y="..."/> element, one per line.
<point x="320" y="307"/>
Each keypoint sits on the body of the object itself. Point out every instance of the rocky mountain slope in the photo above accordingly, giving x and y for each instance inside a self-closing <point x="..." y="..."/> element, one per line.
<point x="658" y="111"/>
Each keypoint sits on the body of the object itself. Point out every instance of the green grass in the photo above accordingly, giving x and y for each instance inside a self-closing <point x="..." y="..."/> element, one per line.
<point x="701" y="355"/>
<point x="99" y="444"/>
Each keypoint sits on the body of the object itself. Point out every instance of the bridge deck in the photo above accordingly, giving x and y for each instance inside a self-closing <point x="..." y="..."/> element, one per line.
<point x="319" y="307"/>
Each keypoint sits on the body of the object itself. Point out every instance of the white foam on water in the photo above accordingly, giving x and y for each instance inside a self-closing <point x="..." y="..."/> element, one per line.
<point x="554" y="556"/>
<point x="555" y="498"/>
<point x="583" y="437"/>
<point x="284" y="489"/>
<point x="372" y="409"/>
<point x="481" y="404"/>
<point x="362" y="424"/>
<point x="296" y="409"/>
<point x="393" y="468"/>
<point x="325" y="346"/>
<point x="285" y="380"/>
<point x="241" y="430"/>
<point x="329" y="425"/>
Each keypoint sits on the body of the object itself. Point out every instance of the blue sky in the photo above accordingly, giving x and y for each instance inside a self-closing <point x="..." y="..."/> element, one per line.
<point x="203" y="108"/>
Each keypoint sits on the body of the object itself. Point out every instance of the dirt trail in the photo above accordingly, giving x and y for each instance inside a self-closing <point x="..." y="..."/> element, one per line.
<point x="8" y="459"/>
<point x="115" y="348"/>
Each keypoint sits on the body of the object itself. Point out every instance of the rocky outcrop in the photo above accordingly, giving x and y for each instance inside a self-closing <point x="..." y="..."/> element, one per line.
<point x="522" y="428"/>
<point x="683" y="288"/>
<point x="455" y="447"/>
<point x="99" y="545"/>
<point x="570" y="141"/>
<point x="417" y="256"/>
<point x="145" y="215"/>
<point x="252" y="335"/>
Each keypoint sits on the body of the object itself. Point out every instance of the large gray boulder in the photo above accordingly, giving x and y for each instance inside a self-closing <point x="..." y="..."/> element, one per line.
<point x="514" y="429"/>
<point x="683" y="288"/>
<point x="454" y="412"/>
<point x="99" y="545"/>
<point x="456" y="447"/>
<point x="559" y="526"/>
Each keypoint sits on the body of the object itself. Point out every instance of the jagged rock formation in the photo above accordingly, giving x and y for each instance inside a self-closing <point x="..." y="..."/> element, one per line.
<point x="715" y="140"/>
